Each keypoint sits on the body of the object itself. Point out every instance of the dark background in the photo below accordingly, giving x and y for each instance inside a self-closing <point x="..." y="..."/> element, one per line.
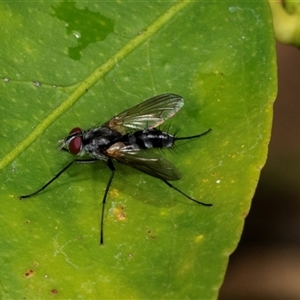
<point x="266" y="264"/>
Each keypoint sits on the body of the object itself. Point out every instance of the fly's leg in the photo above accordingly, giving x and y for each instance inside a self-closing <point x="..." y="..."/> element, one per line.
<point x="80" y="161"/>
<point x="193" y="136"/>
<point x="112" y="168"/>
<point x="184" y="194"/>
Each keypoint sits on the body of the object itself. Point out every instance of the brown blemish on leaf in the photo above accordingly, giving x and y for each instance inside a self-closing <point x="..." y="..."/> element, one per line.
<point x="119" y="213"/>
<point x="29" y="273"/>
<point x="151" y="235"/>
<point x="54" y="291"/>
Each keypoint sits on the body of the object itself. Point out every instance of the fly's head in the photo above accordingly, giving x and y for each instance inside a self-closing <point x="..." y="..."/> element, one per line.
<point x="73" y="143"/>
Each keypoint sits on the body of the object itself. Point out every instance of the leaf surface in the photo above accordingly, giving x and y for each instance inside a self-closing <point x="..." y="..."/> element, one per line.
<point x="69" y="64"/>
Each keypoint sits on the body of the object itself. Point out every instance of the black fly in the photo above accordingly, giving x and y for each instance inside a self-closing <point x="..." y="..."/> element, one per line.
<point x="126" y="138"/>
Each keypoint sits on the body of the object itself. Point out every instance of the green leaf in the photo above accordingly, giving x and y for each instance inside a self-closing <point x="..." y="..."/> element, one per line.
<point x="69" y="64"/>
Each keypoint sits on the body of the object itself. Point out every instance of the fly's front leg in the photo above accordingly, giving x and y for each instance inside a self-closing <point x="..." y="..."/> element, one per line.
<point x="80" y="161"/>
<point x="112" y="168"/>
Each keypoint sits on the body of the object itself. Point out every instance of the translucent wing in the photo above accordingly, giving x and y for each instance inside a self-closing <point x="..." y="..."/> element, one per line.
<point x="144" y="160"/>
<point x="148" y="114"/>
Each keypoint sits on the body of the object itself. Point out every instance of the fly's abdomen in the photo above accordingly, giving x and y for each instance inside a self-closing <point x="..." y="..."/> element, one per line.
<point x="149" y="138"/>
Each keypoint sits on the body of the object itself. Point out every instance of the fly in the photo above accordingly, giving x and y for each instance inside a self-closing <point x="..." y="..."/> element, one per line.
<point x="128" y="138"/>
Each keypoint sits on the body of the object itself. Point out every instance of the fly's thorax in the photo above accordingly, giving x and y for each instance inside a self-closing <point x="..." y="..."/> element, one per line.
<point x="97" y="140"/>
<point x="99" y="131"/>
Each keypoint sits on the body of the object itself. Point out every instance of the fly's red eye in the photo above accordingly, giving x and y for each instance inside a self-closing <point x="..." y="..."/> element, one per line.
<point x="76" y="142"/>
<point x="76" y="129"/>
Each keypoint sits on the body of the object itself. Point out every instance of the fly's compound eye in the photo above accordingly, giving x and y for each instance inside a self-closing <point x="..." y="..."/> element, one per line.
<point x="75" y="143"/>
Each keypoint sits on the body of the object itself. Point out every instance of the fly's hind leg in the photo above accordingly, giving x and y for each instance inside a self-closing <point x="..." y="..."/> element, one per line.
<point x="184" y="194"/>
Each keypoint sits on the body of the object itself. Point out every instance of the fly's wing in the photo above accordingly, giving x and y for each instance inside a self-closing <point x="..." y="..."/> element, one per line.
<point x="144" y="160"/>
<point x="148" y="114"/>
